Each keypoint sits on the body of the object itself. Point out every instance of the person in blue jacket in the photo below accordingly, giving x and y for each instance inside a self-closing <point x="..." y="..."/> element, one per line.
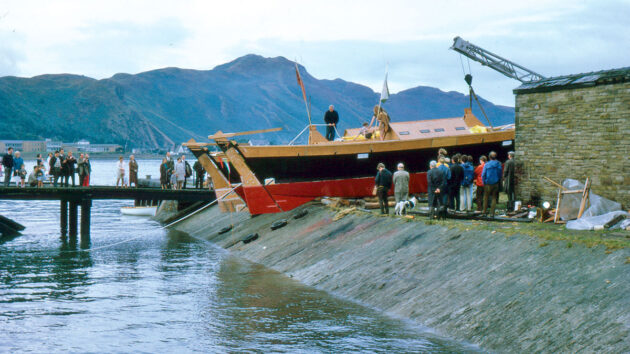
<point x="467" y="183"/>
<point x="491" y="177"/>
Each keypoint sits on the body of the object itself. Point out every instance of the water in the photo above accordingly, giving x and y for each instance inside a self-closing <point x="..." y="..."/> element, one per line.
<point x="167" y="292"/>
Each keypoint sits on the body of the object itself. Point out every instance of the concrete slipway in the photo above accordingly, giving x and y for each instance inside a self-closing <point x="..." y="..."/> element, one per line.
<point x="505" y="294"/>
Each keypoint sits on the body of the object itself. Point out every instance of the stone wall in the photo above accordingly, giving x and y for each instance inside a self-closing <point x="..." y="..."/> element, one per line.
<point x="574" y="133"/>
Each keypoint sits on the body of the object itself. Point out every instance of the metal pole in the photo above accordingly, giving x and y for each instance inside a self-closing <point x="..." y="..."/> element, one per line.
<point x="86" y="206"/>
<point x="63" y="216"/>
<point x="72" y="229"/>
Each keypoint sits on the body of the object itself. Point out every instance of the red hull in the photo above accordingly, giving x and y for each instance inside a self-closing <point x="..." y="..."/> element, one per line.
<point x="275" y="198"/>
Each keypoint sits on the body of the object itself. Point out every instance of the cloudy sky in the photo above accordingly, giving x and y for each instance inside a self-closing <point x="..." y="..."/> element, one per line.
<point x="352" y="40"/>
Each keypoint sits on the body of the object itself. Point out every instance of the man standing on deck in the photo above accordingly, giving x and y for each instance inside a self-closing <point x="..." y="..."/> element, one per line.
<point x="331" y="118"/>
<point x="7" y="162"/>
<point x="382" y="183"/>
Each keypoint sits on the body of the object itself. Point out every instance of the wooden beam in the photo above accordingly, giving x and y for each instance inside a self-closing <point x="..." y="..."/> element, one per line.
<point x="555" y="183"/>
<point x="221" y="135"/>
<point x="585" y="196"/>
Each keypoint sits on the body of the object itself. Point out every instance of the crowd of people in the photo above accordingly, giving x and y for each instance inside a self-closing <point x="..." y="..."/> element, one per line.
<point x="59" y="168"/>
<point x="451" y="182"/>
<point x="175" y="174"/>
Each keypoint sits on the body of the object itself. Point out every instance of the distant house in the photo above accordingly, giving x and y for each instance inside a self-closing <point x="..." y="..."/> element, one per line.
<point x="181" y="149"/>
<point x="52" y="146"/>
<point x="15" y="144"/>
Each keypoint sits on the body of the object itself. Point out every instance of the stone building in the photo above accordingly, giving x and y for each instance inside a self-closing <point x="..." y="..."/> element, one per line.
<point x="574" y="126"/>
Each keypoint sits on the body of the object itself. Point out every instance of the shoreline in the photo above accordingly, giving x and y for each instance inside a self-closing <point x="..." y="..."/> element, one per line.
<point x="500" y="291"/>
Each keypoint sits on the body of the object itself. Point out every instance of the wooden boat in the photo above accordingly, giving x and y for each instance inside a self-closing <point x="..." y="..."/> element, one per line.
<point x="139" y="210"/>
<point x="278" y="178"/>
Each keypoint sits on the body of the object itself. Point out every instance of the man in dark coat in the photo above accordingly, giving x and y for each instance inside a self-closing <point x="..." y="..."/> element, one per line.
<point x="383" y="182"/>
<point x="331" y="118"/>
<point x="64" y="168"/>
<point x="7" y="162"/>
<point x="435" y="187"/>
<point x="55" y="168"/>
<point x="508" y="180"/>
<point x="171" y="168"/>
<point x="81" y="169"/>
<point x="454" y="184"/>
<point x="70" y="168"/>
<point x="200" y="174"/>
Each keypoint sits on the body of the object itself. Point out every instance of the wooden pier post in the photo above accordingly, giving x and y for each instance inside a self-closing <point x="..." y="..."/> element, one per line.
<point x="86" y="206"/>
<point x="73" y="219"/>
<point x="63" y="216"/>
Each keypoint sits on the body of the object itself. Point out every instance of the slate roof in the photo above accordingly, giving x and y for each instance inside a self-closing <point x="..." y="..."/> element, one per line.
<point x="576" y="81"/>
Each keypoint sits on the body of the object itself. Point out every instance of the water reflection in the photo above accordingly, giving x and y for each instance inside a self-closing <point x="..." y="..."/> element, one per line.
<point x="136" y="287"/>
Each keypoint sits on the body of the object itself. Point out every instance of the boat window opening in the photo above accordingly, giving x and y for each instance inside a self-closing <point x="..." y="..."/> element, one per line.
<point x="404" y="133"/>
<point x="362" y="156"/>
<point x="437" y="130"/>
<point x="460" y="128"/>
<point x="506" y="143"/>
<point x="425" y="131"/>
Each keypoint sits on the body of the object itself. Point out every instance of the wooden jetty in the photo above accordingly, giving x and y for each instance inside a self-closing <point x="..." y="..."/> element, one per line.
<point x="72" y="197"/>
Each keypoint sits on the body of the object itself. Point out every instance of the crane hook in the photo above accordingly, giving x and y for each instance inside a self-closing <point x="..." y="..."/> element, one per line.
<point x="468" y="79"/>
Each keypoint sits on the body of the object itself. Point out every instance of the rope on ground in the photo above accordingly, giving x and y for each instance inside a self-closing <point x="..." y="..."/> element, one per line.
<point x="204" y="207"/>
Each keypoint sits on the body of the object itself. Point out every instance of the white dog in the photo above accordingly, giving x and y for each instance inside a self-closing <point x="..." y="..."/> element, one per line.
<point x="402" y="206"/>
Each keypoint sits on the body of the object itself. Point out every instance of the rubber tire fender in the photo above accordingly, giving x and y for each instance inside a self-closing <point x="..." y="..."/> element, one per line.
<point x="302" y="213"/>
<point x="225" y="229"/>
<point x="249" y="238"/>
<point x="278" y="224"/>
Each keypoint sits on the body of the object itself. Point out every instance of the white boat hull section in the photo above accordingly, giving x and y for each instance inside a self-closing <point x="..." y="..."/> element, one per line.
<point x="139" y="211"/>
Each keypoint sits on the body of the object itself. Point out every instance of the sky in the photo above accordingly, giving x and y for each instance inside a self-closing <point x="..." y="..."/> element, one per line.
<point x="353" y="40"/>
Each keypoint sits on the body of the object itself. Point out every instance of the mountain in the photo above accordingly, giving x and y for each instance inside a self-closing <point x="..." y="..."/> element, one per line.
<point x="161" y="108"/>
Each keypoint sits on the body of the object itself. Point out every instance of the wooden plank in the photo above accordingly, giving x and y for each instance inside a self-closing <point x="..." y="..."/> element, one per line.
<point x="554" y="183"/>
<point x="585" y="196"/>
<point x="557" y="215"/>
<point x="221" y="135"/>
<point x="581" y="191"/>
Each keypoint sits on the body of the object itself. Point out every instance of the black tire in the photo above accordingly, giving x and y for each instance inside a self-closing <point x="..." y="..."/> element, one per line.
<point x="249" y="238"/>
<point x="225" y="229"/>
<point x="302" y="213"/>
<point x="278" y="224"/>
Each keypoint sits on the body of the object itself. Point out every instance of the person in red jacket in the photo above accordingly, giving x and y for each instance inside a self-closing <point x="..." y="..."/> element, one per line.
<point x="479" y="181"/>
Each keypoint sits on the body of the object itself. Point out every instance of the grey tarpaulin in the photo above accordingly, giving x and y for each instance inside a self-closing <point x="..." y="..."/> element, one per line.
<point x="596" y="222"/>
<point x="571" y="202"/>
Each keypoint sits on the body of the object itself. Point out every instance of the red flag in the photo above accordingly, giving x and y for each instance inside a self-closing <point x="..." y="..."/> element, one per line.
<point x="299" y="80"/>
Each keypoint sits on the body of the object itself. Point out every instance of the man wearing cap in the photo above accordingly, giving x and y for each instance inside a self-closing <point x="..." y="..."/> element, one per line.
<point x="383" y="182"/>
<point x="401" y="184"/>
<point x="508" y="180"/>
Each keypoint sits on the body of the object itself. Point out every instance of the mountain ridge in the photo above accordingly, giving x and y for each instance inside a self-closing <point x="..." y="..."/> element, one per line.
<point x="163" y="107"/>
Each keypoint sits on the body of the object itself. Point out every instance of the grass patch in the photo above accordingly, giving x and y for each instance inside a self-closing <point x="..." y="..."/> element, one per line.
<point x="612" y="240"/>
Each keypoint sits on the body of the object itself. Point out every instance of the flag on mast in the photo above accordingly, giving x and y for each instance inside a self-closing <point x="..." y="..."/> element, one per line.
<point x="385" y="91"/>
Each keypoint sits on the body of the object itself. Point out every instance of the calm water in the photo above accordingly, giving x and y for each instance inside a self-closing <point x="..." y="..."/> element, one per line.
<point x="138" y="288"/>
